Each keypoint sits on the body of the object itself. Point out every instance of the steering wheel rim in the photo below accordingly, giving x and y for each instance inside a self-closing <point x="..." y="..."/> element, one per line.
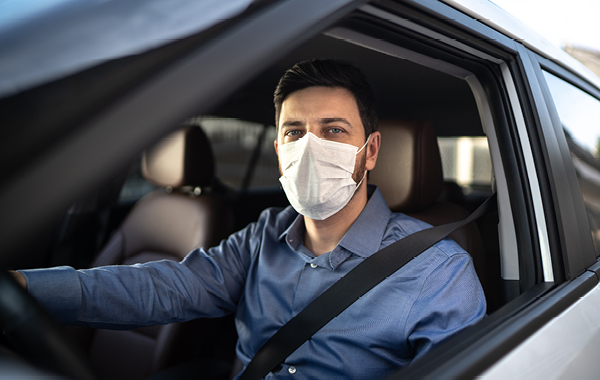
<point x="31" y="332"/>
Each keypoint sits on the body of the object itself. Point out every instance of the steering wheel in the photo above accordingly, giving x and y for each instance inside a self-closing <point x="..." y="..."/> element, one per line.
<point x="30" y="331"/>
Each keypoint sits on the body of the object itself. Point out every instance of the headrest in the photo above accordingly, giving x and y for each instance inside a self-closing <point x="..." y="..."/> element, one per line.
<point x="409" y="167"/>
<point x="183" y="158"/>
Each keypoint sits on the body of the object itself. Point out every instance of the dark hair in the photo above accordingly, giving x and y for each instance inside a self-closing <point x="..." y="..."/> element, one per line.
<point x="329" y="73"/>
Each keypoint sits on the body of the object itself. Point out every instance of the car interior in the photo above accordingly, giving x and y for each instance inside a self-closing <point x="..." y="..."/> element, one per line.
<point x="218" y="171"/>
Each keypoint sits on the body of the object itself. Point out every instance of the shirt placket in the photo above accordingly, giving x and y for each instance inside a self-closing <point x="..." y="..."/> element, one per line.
<point x="310" y="284"/>
<point x="317" y="275"/>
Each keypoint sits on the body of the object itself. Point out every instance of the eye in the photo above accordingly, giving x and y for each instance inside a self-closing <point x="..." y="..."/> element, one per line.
<point x="293" y="134"/>
<point x="334" y="132"/>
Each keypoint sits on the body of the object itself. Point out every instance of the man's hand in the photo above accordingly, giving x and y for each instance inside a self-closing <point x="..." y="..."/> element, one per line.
<point x="19" y="277"/>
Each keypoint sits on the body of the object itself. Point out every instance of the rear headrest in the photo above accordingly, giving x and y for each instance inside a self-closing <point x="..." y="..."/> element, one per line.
<point x="409" y="167"/>
<point x="183" y="158"/>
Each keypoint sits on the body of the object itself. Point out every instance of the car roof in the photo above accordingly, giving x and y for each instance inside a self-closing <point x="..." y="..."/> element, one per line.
<point x="36" y="47"/>
<point x="497" y="18"/>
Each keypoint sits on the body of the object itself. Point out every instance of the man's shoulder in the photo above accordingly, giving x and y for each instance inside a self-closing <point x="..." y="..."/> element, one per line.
<point x="277" y="218"/>
<point x="407" y="223"/>
<point x="446" y="257"/>
<point x="402" y="225"/>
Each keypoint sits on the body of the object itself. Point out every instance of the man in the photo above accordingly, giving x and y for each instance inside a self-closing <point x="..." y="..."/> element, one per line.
<point x="271" y="270"/>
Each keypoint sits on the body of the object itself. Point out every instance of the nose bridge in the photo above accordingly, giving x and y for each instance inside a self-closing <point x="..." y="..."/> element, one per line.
<point x="314" y="127"/>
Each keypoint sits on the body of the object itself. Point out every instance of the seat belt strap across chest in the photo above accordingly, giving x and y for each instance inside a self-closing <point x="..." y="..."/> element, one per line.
<point x="347" y="290"/>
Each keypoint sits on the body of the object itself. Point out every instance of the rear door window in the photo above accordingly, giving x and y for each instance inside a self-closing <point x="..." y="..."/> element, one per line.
<point x="579" y="114"/>
<point x="244" y="152"/>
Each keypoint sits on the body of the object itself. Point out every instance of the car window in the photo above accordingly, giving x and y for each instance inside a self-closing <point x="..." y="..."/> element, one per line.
<point x="244" y="152"/>
<point x="579" y="114"/>
<point x="466" y="160"/>
<point x="244" y="156"/>
<point x="135" y="186"/>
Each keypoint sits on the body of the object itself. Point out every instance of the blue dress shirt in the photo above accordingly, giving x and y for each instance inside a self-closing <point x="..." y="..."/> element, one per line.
<point x="265" y="275"/>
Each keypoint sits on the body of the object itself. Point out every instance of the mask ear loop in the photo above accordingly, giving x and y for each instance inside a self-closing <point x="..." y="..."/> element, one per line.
<point x="364" y="175"/>
<point x="361" y="181"/>
<point x="366" y="142"/>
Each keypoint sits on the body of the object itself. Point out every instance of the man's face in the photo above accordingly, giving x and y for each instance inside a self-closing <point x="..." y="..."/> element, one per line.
<point x="328" y="113"/>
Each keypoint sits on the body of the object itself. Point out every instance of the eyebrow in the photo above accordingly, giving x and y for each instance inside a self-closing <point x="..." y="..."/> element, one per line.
<point x="292" y="123"/>
<point x="330" y="120"/>
<point x="323" y="121"/>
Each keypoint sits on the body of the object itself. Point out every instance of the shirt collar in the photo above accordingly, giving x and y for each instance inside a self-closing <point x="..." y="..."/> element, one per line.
<point x="364" y="236"/>
<point x="294" y="234"/>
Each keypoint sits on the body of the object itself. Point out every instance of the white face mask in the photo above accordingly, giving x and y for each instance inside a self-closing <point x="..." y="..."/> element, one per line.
<point x="317" y="175"/>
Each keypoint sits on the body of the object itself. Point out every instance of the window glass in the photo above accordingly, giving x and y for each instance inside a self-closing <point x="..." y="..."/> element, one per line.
<point x="135" y="186"/>
<point x="466" y="161"/>
<point x="579" y="114"/>
<point x="234" y="144"/>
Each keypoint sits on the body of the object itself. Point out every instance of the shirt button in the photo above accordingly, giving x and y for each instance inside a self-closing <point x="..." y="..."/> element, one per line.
<point x="292" y="370"/>
<point x="312" y="265"/>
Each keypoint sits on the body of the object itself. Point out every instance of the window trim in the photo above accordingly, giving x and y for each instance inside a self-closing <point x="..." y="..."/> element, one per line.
<point x="532" y="174"/>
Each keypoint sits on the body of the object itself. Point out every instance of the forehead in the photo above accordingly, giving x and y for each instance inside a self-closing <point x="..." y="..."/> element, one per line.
<point x="319" y="102"/>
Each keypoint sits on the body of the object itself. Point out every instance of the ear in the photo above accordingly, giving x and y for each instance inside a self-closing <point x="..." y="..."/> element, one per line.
<point x="373" y="150"/>
<point x="276" y="147"/>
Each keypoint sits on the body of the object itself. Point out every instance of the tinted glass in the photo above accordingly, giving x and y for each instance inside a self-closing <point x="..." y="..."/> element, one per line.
<point x="579" y="114"/>
<point x="244" y="154"/>
<point x="243" y="151"/>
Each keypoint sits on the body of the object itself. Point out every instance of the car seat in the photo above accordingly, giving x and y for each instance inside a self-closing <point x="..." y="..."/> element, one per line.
<point x="410" y="176"/>
<point x="185" y="213"/>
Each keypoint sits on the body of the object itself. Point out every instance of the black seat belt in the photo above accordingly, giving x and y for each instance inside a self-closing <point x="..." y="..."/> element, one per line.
<point x="347" y="290"/>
